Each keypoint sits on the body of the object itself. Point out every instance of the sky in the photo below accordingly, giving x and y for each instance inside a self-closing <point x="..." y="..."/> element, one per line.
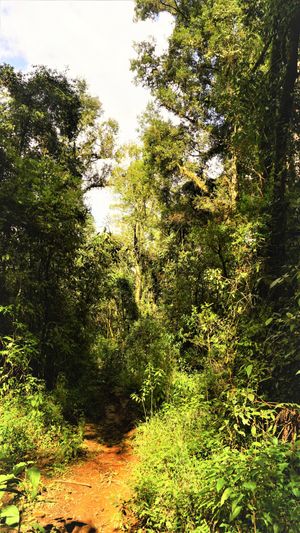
<point x="94" y="40"/>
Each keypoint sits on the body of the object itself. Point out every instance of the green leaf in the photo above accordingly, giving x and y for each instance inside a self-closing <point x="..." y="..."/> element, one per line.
<point x="17" y="469"/>
<point x="253" y="431"/>
<point x="235" y="513"/>
<point x="225" y="495"/>
<point x="33" y="474"/>
<point x="37" y="528"/>
<point x="276" y="282"/>
<point x="236" y="502"/>
<point x="5" y="478"/>
<point x="220" y="484"/>
<point x="251" y="485"/>
<point x="267" y="518"/>
<point x="296" y="492"/>
<point x="249" y="369"/>
<point x="11" y="515"/>
<point x="269" y="321"/>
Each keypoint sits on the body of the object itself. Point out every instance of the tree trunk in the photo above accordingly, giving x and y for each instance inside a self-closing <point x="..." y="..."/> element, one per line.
<point x="281" y="149"/>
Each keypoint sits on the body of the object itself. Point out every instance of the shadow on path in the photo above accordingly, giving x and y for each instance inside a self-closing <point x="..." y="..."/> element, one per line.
<point x="72" y="526"/>
<point x="108" y="433"/>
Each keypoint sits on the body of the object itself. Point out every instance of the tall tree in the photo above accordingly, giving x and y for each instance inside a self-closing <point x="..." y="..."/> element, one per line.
<point x="283" y="74"/>
<point x="50" y="138"/>
<point x="232" y="74"/>
<point x="229" y="78"/>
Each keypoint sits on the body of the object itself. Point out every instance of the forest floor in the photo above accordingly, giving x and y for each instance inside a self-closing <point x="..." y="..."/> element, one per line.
<point x="89" y="495"/>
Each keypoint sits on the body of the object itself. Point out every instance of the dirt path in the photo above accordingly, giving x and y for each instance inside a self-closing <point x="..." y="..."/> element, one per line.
<point x="75" y="507"/>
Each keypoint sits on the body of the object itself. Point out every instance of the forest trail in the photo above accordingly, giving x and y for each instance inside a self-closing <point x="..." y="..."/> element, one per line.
<point x="101" y="483"/>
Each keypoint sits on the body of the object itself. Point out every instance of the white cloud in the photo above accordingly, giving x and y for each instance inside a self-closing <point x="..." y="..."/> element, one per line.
<point x="94" y="39"/>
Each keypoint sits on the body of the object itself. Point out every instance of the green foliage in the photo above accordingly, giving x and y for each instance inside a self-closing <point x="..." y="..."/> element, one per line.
<point x="31" y="419"/>
<point x="51" y="136"/>
<point x="10" y="516"/>
<point x="228" y="233"/>
<point x="16" y="356"/>
<point x="32" y="426"/>
<point x="203" y="276"/>
<point x="149" y="352"/>
<point x="21" y="486"/>
<point x="193" y="477"/>
<point x="151" y="389"/>
<point x="33" y="477"/>
<point x="210" y="262"/>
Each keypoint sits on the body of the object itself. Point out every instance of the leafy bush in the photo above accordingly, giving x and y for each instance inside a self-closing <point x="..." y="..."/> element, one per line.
<point x="32" y="426"/>
<point x="190" y="480"/>
<point x="257" y="489"/>
<point x="31" y="420"/>
<point x="149" y="362"/>
<point x="20" y="489"/>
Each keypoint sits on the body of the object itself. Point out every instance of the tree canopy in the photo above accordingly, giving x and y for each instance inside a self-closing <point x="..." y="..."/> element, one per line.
<point x="187" y="311"/>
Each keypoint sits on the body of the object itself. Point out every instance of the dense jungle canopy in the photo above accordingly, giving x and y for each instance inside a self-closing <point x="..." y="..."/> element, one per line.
<point x="189" y="309"/>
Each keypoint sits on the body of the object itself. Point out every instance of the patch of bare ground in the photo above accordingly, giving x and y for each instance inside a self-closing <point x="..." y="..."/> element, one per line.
<point x="88" y="497"/>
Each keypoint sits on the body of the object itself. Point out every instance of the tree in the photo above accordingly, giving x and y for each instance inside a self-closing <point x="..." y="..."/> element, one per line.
<point x="139" y="220"/>
<point x="284" y="74"/>
<point x="229" y="79"/>
<point x="51" y="136"/>
<point x="232" y="74"/>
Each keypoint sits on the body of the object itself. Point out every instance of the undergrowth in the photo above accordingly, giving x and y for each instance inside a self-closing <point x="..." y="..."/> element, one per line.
<point x="197" y="475"/>
<point x="32" y="427"/>
<point x="32" y="423"/>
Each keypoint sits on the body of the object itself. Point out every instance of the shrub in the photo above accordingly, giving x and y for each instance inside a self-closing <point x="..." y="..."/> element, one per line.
<point x="31" y="419"/>
<point x="149" y="348"/>
<point x="190" y="480"/>
<point x="32" y="426"/>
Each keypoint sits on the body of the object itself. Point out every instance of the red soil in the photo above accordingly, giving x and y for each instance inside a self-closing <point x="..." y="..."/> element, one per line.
<point x="74" y="507"/>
